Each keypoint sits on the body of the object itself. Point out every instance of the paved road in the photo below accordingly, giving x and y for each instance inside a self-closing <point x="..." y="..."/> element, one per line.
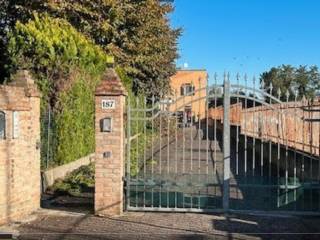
<point x="193" y="153"/>
<point x="178" y="226"/>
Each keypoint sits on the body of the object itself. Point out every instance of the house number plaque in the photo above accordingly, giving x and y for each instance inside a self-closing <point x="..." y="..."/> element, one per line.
<point x="108" y="104"/>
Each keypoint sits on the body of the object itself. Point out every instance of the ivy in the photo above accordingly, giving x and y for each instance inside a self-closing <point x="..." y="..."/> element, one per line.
<point x="67" y="68"/>
<point x="75" y="130"/>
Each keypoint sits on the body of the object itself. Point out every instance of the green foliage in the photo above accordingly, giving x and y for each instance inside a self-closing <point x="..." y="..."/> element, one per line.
<point x="141" y="138"/>
<point x="67" y="67"/>
<point x="76" y="182"/>
<point x="136" y="127"/>
<point x="137" y="33"/>
<point x="50" y="47"/>
<point x="137" y="151"/>
<point x="305" y="81"/>
<point x="75" y="131"/>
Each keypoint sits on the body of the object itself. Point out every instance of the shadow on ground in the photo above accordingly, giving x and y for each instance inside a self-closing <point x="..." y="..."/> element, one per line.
<point x="51" y="224"/>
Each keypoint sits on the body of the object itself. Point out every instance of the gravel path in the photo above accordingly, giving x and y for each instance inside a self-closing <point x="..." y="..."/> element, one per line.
<point x="62" y="225"/>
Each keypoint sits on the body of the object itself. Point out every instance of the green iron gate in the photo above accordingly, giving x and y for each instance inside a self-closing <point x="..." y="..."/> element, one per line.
<point x="224" y="147"/>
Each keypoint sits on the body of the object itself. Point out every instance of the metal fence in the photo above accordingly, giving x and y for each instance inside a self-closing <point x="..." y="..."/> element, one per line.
<point x="48" y="138"/>
<point x="223" y="147"/>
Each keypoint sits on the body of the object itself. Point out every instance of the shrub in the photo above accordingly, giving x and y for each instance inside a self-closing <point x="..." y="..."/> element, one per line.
<point x="51" y="47"/>
<point x="74" y="124"/>
<point x="67" y="67"/>
<point x="78" y="181"/>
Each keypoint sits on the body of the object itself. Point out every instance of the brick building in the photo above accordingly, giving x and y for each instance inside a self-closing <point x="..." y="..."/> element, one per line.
<point x="189" y="87"/>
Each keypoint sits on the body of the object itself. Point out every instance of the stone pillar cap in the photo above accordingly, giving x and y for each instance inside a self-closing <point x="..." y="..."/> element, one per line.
<point x="110" y="85"/>
<point x="23" y="79"/>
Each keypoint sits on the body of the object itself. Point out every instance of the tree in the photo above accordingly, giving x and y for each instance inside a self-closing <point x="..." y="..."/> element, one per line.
<point x="10" y="12"/>
<point x="67" y="68"/>
<point x="50" y="48"/>
<point x="137" y="33"/>
<point x="303" y="81"/>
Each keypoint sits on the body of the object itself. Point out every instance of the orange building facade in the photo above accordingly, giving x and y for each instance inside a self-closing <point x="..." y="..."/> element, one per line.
<point x="189" y="93"/>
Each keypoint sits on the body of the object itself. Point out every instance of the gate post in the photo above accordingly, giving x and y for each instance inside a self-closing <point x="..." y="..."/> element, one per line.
<point x="19" y="148"/>
<point x="226" y="142"/>
<point x="109" y="155"/>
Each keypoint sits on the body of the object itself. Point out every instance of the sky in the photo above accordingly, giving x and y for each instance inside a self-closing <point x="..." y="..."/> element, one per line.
<point x="247" y="36"/>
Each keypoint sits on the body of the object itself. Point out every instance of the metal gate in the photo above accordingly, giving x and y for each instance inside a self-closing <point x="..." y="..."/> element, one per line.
<point x="223" y="147"/>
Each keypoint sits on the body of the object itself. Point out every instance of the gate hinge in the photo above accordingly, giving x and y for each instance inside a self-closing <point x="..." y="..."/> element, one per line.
<point x="124" y="179"/>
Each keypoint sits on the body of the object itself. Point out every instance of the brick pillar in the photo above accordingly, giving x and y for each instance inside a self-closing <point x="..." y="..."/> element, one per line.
<point x="109" y="155"/>
<point x="20" y="149"/>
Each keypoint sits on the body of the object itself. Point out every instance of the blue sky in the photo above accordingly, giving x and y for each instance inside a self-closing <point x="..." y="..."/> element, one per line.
<point x="247" y="36"/>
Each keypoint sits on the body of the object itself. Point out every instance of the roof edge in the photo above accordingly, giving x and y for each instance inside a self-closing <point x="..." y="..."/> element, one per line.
<point x="192" y="70"/>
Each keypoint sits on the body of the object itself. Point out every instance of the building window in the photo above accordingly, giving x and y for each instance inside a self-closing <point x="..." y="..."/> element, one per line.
<point x="2" y="125"/>
<point x="187" y="90"/>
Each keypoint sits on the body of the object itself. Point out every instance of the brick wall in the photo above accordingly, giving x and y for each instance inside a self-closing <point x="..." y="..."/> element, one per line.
<point x="296" y="124"/>
<point x="19" y="155"/>
<point x="235" y="114"/>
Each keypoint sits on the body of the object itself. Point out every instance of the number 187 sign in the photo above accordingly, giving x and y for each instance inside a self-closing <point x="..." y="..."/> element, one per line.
<point x="108" y="104"/>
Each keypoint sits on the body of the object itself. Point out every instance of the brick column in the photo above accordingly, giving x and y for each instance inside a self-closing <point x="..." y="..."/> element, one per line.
<point x="109" y="155"/>
<point x="20" y="149"/>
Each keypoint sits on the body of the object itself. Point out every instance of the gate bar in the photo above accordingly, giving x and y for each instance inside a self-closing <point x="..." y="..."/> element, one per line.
<point x="128" y="174"/>
<point x="226" y="143"/>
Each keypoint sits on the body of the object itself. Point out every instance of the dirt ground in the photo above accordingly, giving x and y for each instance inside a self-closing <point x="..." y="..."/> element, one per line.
<point x="58" y="224"/>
